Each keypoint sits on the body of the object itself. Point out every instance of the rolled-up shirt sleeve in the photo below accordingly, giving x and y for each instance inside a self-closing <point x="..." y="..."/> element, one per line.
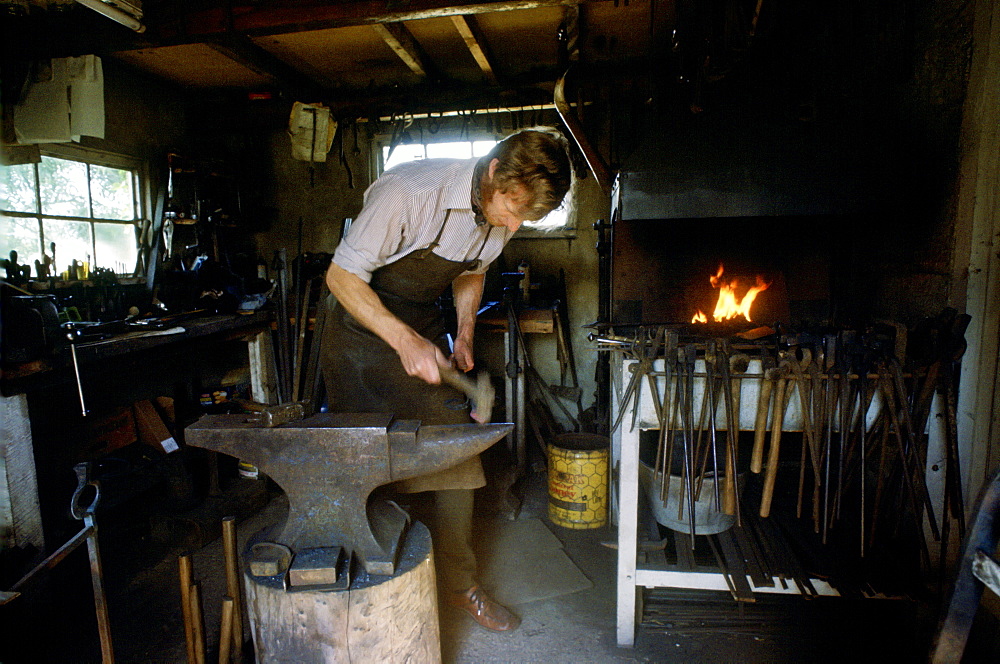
<point x="379" y="230"/>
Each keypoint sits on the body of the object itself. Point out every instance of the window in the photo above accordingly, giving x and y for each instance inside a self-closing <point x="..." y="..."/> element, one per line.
<point x="558" y="219"/>
<point x="88" y="204"/>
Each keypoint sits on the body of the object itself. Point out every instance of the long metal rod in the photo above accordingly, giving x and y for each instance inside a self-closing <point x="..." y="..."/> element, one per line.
<point x="54" y="559"/>
<point x="79" y="384"/>
<point x="100" y="598"/>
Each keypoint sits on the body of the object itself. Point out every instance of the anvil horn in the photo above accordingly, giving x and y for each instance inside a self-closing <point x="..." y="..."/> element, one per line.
<point x="329" y="464"/>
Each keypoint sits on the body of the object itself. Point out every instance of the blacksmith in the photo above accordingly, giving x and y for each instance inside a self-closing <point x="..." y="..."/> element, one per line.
<point x="426" y="225"/>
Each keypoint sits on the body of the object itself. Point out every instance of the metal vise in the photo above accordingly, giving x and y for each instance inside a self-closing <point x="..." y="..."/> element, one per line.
<point x="329" y="464"/>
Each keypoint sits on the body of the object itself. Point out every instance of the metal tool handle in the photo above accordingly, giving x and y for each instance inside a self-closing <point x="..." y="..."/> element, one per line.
<point x="76" y="508"/>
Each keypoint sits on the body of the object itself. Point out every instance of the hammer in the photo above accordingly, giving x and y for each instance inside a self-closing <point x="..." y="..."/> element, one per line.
<point x="481" y="391"/>
<point x="780" y="402"/>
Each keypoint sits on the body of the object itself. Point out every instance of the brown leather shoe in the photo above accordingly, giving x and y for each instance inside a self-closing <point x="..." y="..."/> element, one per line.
<point x="484" y="609"/>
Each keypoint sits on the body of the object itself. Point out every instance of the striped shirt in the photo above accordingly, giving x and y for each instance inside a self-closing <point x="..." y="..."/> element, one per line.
<point x="403" y="211"/>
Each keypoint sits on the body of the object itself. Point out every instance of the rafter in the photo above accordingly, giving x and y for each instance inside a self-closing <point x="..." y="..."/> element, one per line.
<point x="468" y="28"/>
<point x="264" y="19"/>
<point x="405" y="46"/>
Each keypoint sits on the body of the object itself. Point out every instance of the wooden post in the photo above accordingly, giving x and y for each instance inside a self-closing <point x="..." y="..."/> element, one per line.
<point x="233" y="581"/>
<point x="383" y="619"/>
<point x="226" y="630"/>
<point x="197" y="622"/>
<point x="184" y="571"/>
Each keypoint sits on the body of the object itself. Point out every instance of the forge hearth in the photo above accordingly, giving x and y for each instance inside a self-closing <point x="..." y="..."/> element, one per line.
<point x="660" y="268"/>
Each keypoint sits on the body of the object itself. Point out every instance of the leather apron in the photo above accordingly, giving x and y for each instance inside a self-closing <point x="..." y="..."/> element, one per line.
<point x="363" y="374"/>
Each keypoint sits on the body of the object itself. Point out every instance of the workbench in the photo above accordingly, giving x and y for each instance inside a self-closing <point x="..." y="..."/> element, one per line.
<point x="639" y="415"/>
<point x="115" y="371"/>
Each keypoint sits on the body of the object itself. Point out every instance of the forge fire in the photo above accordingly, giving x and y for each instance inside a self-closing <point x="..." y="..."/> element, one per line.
<point x="730" y="305"/>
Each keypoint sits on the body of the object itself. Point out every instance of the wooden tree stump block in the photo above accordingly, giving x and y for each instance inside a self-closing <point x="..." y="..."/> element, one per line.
<point x="379" y="619"/>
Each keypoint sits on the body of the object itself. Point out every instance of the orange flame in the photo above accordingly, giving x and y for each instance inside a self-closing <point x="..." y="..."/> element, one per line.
<point x="730" y="306"/>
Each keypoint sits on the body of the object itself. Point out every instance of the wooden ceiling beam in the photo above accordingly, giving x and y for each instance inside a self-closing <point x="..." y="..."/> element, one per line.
<point x="401" y="41"/>
<point x="468" y="28"/>
<point x="246" y="53"/>
<point x="259" y="20"/>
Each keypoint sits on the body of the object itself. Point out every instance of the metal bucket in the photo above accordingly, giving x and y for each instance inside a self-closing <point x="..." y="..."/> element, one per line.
<point x="578" y="480"/>
<point x="708" y="519"/>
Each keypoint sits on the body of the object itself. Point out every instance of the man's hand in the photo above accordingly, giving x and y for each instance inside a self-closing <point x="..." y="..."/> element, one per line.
<point x="421" y="358"/>
<point x="468" y="291"/>
<point x="418" y="355"/>
<point x="462" y="355"/>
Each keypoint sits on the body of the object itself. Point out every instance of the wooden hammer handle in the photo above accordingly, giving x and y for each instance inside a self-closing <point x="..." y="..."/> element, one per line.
<point x="233" y="582"/>
<point x="760" y="426"/>
<point x="772" y="452"/>
<point x="458" y="380"/>
<point x="480" y="392"/>
<point x="185" y="574"/>
<point x="732" y="449"/>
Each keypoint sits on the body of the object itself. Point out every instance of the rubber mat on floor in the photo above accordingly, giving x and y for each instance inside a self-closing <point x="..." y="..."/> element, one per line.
<point x="522" y="561"/>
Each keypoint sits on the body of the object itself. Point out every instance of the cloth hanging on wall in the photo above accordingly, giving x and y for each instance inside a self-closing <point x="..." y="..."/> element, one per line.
<point x="62" y="101"/>
<point x="305" y="121"/>
<point x="86" y="97"/>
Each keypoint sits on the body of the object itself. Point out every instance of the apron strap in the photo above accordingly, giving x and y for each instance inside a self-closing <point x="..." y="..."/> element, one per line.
<point x="475" y="262"/>
<point x="437" y="238"/>
<point x="470" y="264"/>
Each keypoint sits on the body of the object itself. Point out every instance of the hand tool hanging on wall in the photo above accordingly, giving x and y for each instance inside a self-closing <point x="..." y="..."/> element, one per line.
<point x="343" y="156"/>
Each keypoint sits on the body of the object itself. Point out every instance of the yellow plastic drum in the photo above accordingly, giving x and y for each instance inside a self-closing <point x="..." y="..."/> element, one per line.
<point x="578" y="480"/>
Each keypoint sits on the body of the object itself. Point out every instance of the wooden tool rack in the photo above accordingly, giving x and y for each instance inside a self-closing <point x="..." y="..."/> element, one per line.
<point x="736" y="571"/>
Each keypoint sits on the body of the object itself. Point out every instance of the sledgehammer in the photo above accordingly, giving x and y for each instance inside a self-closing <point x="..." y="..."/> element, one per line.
<point x="481" y="391"/>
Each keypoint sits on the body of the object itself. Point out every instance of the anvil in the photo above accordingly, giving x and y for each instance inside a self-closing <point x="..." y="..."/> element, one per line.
<point x="329" y="464"/>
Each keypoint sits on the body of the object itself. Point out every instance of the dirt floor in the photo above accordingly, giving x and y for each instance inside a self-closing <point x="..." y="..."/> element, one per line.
<point x="575" y="622"/>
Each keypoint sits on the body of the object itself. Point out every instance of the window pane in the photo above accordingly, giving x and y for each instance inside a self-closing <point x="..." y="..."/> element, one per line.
<point x="458" y="150"/>
<point x="17" y="188"/>
<point x="111" y="191"/>
<point x="72" y="240"/>
<point x="115" y="246"/>
<point x="20" y="235"/>
<point x="555" y="219"/>
<point x="482" y="148"/>
<point x="63" y="187"/>
<point x="402" y="154"/>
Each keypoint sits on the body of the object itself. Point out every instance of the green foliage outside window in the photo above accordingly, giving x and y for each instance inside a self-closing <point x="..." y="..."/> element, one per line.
<point x="90" y="211"/>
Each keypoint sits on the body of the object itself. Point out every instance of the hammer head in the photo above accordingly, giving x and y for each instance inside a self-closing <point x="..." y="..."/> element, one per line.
<point x="480" y="392"/>
<point x="483" y="398"/>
